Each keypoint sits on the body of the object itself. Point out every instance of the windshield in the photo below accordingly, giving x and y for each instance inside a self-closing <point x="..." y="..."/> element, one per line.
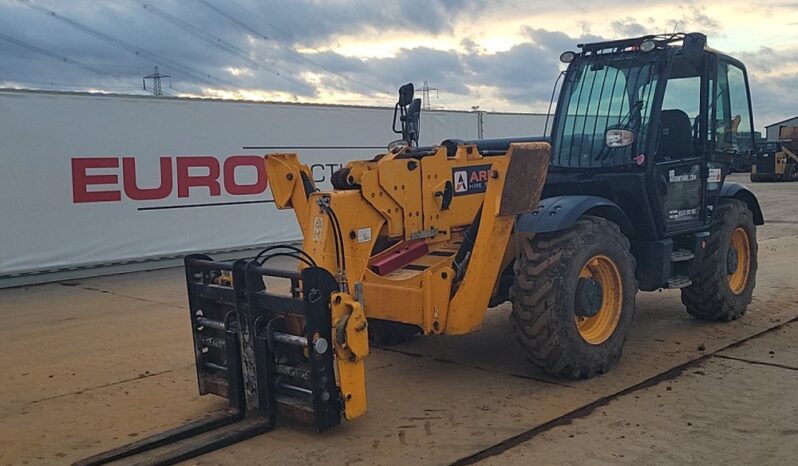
<point x="598" y="96"/>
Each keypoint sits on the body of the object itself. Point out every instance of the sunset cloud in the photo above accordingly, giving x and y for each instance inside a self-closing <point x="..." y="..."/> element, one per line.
<point x="500" y="55"/>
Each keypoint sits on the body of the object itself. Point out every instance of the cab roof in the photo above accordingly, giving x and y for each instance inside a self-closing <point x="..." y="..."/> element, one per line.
<point x="676" y="41"/>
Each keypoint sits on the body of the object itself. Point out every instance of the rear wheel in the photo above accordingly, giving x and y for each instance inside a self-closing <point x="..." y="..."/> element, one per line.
<point x="724" y="285"/>
<point x="574" y="298"/>
<point x="754" y="178"/>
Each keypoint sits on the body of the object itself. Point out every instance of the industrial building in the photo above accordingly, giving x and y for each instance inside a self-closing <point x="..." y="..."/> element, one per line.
<point x="772" y="130"/>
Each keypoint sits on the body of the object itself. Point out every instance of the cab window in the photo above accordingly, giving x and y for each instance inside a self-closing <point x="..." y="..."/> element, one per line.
<point x="683" y="94"/>
<point x="732" y="133"/>
<point x="678" y="128"/>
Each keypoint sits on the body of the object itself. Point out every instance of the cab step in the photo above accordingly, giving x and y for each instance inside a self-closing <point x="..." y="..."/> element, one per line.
<point x="681" y="255"/>
<point x="679" y="281"/>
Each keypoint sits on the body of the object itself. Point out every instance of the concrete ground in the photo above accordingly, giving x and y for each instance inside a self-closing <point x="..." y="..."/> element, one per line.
<point x="93" y="363"/>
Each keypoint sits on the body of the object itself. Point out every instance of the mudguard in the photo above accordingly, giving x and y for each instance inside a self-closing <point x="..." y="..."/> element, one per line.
<point x="560" y="212"/>
<point x="741" y="192"/>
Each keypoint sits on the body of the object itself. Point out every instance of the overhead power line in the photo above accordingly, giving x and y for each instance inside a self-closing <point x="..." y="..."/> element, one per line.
<point x="128" y="47"/>
<point x="64" y="59"/>
<point x="290" y="50"/>
<point x="196" y="31"/>
<point x="251" y="13"/>
<point x="218" y="42"/>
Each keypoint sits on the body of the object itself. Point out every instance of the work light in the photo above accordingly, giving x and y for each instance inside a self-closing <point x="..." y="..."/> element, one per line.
<point x="647" y="45"/>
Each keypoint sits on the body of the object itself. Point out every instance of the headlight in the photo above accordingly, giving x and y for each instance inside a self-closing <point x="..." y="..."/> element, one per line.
<point x="567" y="57"/>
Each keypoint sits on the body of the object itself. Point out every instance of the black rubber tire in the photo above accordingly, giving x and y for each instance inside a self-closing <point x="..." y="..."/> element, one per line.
<point x="388" y="333"/>
<point x="790" y="173"/>
<point x="710" y="297"/>
<point x="543" y="297"/>
<point x="754" y="178"/>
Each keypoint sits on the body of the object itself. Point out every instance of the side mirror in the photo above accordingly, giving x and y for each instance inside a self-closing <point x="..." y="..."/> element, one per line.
<point x="615" y="138"/>
<point x="408" y="112"/>
<point x="412" y="122"/>
<point x="406" y="94"/>
<point x="414" y="111"/>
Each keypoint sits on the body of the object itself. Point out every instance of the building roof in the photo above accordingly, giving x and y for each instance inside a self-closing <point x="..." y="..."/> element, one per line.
<point x="782" y="121"/>
<point x="241" y="101"/>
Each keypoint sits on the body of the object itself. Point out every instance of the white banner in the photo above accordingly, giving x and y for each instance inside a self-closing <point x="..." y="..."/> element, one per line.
<point x="91" y="179"/>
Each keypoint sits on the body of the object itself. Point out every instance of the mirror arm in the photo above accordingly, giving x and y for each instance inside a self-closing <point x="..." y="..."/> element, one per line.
<point x="395" y="111"/>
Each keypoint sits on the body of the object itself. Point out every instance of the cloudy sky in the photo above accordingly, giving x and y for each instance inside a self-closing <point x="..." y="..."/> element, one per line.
<point x="499" y="54"/>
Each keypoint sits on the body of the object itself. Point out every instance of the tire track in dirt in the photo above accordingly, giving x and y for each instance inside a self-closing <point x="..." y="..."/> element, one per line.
<point x="587" y="409"/>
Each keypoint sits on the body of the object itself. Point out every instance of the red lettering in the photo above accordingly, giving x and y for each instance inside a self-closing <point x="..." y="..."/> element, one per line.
<point x="186" y="181"/>
<point x="235" y="161"/>
<point x="81" y="180"/>
<point x="146" y="194"/>
<point x="190" y="171"/>
<point x="477" y="176"/>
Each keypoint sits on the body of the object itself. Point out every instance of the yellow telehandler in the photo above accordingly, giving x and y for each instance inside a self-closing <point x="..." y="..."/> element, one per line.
<point x="628" y="193"/>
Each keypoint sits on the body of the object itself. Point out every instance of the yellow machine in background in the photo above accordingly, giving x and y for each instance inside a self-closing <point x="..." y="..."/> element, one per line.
<point x="777" y="160"/>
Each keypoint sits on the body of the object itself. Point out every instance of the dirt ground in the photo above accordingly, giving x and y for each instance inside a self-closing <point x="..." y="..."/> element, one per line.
<point x="90" y="364"/>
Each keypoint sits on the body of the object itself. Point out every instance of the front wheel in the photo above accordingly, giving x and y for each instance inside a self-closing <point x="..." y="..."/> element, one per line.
<point x="791" y="173"/>
<point x="724" y="285"/>
<point x="574" y="298"/>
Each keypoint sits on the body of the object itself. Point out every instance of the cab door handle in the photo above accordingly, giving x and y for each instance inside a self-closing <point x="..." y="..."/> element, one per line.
<point x="662" y="184"/>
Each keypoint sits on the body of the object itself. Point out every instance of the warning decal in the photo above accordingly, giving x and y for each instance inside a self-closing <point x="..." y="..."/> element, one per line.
<point x="470" y="180"/>
<point x="318" y="223"/>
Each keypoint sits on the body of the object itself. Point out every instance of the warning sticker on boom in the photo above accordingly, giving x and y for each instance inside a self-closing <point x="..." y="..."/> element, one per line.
<point x="470" y="180"/>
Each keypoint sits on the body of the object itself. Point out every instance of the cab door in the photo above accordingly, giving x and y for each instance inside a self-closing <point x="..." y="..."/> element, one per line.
<point x="731" y="134"/>
<point x="680" y="157"/>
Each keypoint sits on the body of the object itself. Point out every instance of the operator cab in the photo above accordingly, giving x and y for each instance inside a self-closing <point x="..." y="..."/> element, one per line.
<point x="654" y="123"/>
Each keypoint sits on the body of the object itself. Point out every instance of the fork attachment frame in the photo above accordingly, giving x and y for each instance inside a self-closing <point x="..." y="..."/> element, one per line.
<point x="268" y="354"/>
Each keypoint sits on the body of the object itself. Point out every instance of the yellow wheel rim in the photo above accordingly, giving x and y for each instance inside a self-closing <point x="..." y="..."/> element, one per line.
<point x="597" y="329"/>
<point x="738" y="279"/>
